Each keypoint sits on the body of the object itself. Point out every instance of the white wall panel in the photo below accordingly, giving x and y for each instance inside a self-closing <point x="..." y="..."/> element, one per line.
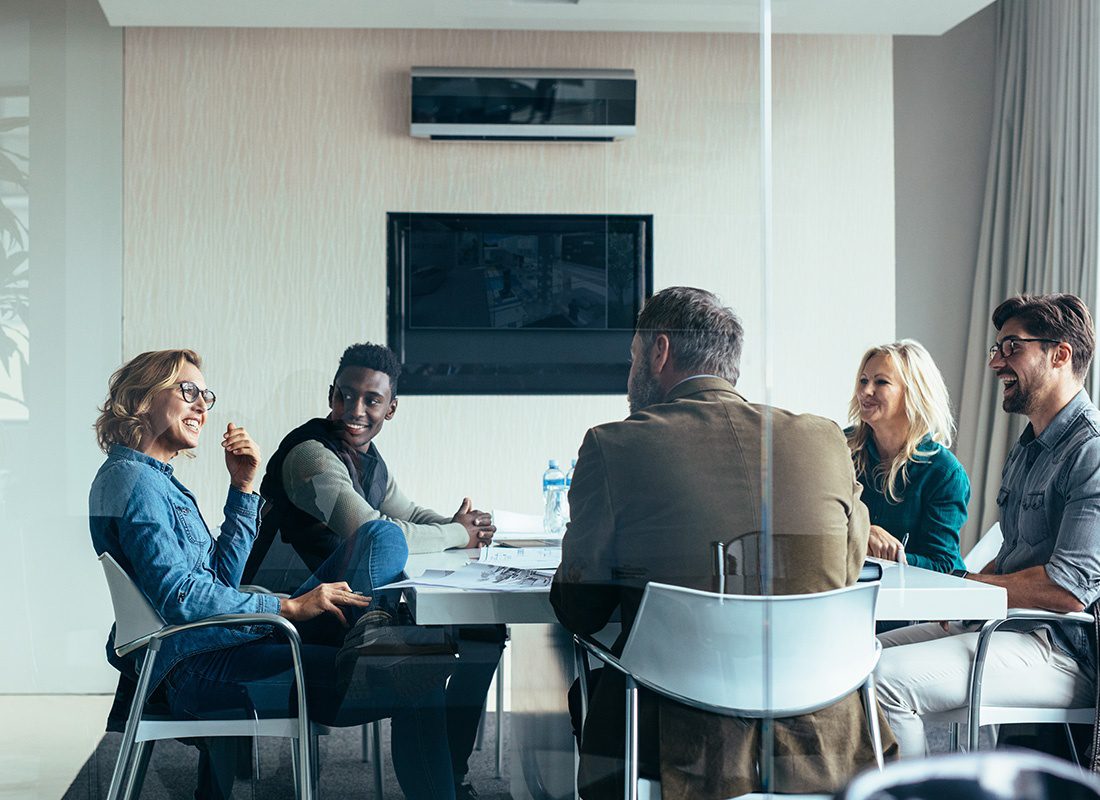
<point x="260" y="165"/>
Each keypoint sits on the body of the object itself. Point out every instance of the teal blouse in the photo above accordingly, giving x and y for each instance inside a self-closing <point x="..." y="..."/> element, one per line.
<point x="932" y="508"/>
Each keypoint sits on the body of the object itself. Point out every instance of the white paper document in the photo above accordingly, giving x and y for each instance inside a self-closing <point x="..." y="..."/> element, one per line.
<point x="521" y="557"/>
<point x="884" y="563"/>
<point x="482" y="577"/>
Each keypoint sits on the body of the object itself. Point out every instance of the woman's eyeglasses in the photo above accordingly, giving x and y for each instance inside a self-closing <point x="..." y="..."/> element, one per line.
<point x="191" y="393"/>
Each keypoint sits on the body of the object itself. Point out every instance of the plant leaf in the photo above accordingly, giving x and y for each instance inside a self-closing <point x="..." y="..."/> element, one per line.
<point x="10" y="224"/>
<point x="8" y="348"/>
<point x="14" y="123"/>
<point x="10" y="171"/>
<point x="14" y="154"/>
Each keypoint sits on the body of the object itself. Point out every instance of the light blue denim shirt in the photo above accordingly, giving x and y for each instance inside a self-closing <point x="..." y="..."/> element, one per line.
<point x="1050" y="511"/>
<point x="150" y="524"/>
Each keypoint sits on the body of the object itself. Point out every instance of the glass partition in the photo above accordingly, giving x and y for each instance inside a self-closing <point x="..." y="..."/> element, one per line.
<point x="269" y="179"/>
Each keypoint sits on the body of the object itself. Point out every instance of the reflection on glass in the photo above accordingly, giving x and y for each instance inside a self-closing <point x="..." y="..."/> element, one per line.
<point x="14" y="255"/>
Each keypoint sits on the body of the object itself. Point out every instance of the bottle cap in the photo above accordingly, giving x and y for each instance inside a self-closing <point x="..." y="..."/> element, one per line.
<point x="553" y="463"/>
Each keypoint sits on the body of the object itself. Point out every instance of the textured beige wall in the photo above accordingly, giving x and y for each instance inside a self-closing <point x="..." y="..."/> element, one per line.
<point x="260" y="165"/>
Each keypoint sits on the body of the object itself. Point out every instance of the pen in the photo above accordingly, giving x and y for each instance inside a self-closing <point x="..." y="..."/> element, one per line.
<point x="904" y="539"/>
<point x="901" y="550"/>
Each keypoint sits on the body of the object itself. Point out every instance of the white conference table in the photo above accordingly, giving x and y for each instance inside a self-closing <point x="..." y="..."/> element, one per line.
<point x="540" y="741"/>
<point x="906" y="593"/>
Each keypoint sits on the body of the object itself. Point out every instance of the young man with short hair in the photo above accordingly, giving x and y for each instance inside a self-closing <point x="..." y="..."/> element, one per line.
<point x="327" y="480"/>
<point x="1050" y="517"/>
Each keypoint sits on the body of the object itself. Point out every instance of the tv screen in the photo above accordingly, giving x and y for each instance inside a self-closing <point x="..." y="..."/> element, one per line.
<point x="516" y="303"/>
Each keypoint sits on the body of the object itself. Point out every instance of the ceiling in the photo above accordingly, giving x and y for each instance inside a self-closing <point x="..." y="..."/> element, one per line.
<point x="901" y="17"/>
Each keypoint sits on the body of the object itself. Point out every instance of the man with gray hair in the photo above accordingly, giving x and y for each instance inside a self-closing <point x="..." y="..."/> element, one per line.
<point x="649" y="496"/>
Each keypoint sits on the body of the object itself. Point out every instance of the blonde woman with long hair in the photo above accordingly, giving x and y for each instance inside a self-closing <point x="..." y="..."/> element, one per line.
<point x="914" y="488"/>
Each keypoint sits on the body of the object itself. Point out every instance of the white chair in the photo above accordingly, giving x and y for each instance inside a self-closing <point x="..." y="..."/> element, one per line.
<point x="746" y="656"/>
<point x="984" y="776"/>
<point x="985" y="550"/>
<point x="138" y="625"/>
<point x="976" y="714"/>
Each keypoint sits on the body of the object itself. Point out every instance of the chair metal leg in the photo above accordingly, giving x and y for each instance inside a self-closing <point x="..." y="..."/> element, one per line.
<point x="1072" y="745"/>
<point x="365" y="754"/>
<point x="954" y="745"/>
<point x="303" y="775"/>
<point x="376" y="744"/>
<point x="767" y="760"/>
<point x="870" y="708"/>
<point x="631" y="771"/>
<point x="136" y="773"/>
<point x="315" y="757"/>
<point x="296" y="768"/>
<point x="123" y="765"/>
<point x="500" y="718"/>
<point x="974" y="691"/>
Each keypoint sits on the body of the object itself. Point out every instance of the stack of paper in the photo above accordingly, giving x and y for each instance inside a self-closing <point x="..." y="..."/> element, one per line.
<point x="482" y="577"/>
<point x="541" y="558"/>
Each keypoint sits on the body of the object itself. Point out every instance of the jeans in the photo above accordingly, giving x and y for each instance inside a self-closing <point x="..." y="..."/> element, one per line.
<point x="375" y="556"/>
<point x="257" y="678"/>
<point x="479" y="650"/>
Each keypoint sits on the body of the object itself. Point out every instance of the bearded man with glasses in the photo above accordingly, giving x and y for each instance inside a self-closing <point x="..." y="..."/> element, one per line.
<point x="1050" y="516"/>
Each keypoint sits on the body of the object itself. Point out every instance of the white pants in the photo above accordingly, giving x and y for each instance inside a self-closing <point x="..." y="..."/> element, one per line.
<point x="924" y="669"/>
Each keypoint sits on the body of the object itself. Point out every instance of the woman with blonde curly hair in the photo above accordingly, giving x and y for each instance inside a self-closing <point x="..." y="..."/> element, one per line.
<point x="156" y="408"/>
<point x="914" y="488"/>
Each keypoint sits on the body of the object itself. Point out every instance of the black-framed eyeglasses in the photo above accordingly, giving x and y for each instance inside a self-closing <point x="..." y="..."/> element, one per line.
<point x="191" y="393"/>
<point x="1010" y="344"/>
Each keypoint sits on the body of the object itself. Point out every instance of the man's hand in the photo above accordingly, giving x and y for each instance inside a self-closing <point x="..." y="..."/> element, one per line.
<point x="242" y="457"/>
<point x="478" y="524"/>
<point x="328" y="597"/>
<point x="881" y="544"/>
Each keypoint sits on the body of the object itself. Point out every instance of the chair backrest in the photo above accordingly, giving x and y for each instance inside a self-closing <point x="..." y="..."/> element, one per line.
<point x="1001" y="775"/>
<point x="985" y="550"/>
<point x="135" y="618"/>
<point x="752" y="655"/>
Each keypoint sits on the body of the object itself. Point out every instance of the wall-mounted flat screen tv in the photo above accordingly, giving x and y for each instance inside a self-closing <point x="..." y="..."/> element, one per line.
<point x="516" y="303"/>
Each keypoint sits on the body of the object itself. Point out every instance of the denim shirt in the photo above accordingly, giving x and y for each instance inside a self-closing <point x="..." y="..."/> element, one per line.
<point x="1050" y="512"/>
<point x="150" y="524"/>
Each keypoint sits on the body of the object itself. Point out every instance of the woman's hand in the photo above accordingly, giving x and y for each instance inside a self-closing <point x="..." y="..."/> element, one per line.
<point x="326" y="597"/>
<point x="242" y="458"/>
<point x="881" y="544"/>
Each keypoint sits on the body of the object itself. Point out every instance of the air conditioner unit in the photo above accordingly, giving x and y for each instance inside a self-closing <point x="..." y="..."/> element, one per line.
<point x="450" y="103"/>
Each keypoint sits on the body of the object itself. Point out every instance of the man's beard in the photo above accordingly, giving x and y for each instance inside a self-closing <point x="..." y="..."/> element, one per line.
<point x="1016" y="404"/>
<point x="643" y="390"/>
<point x="1020" y="402"/>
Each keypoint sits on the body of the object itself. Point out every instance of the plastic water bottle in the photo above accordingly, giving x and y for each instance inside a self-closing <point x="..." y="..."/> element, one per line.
<point x="553" y="492"/>
<point x="569" y="474"/>
<point x="569" y="483"/>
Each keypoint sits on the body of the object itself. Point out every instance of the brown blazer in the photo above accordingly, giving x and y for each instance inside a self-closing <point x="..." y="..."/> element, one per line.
<point x="649" y="496"/>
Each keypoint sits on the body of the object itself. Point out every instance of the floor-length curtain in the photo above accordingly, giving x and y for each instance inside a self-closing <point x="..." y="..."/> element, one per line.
<point x="1039" y="224"/>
